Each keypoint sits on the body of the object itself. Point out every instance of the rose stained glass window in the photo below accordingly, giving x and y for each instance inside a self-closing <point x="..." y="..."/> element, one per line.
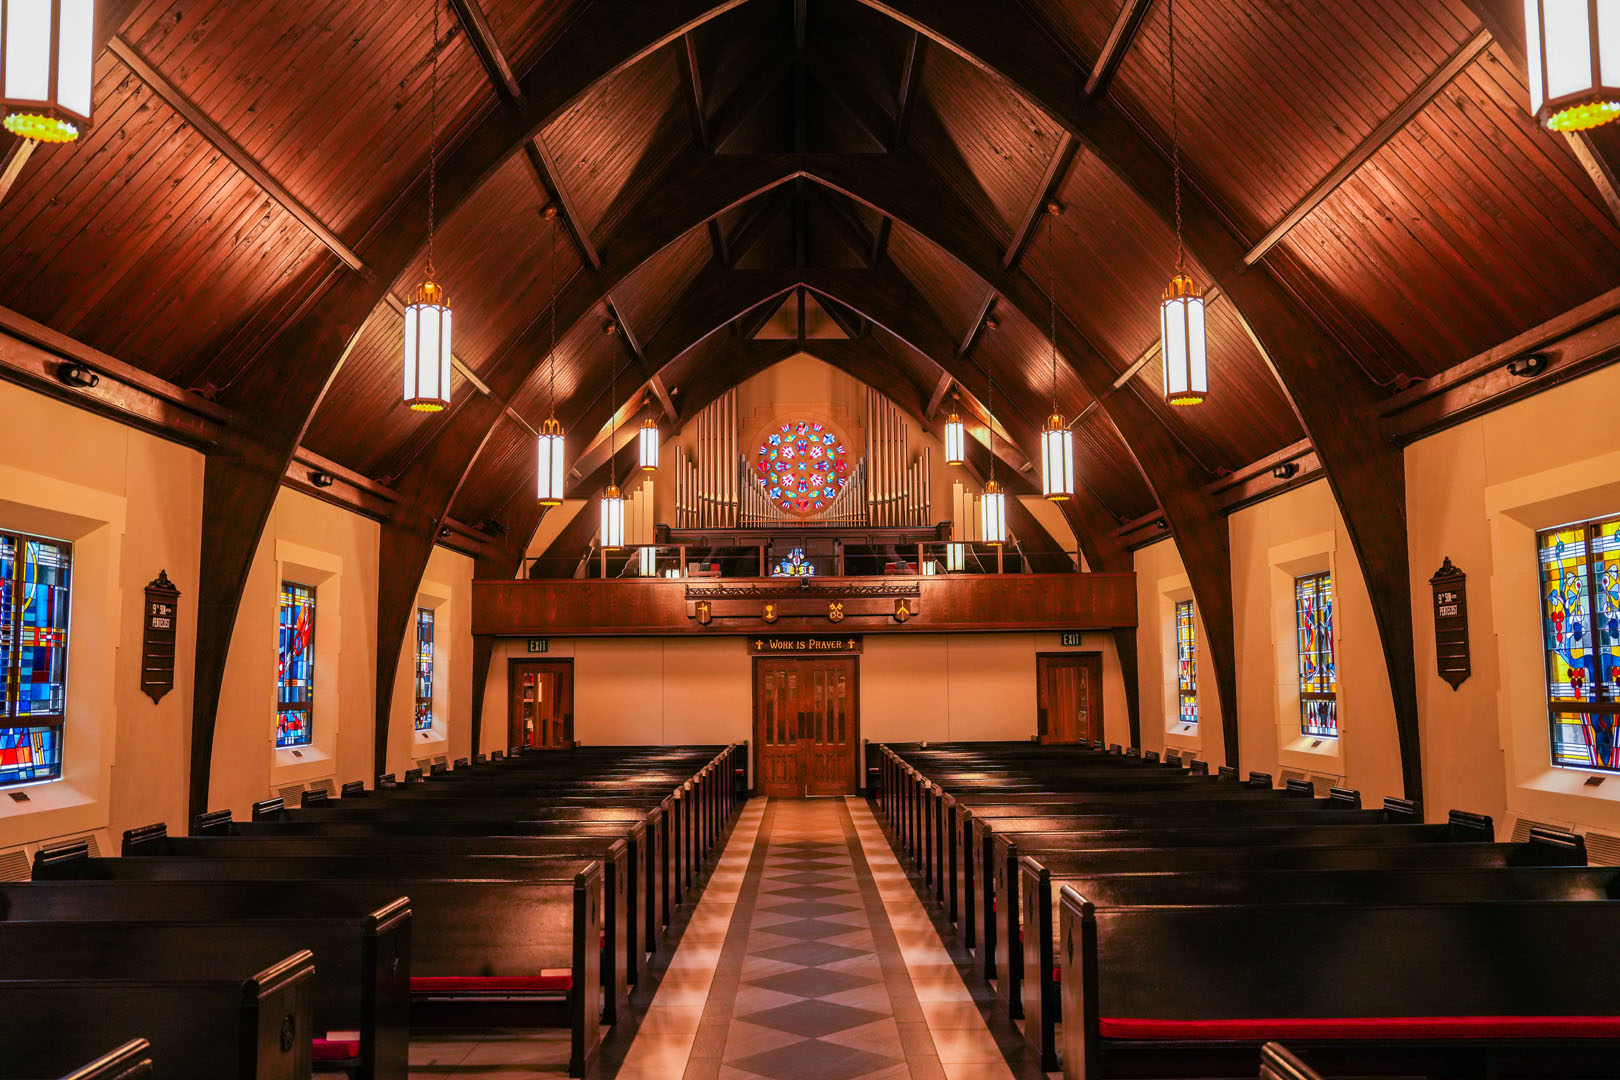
<point x="802" y="466"/>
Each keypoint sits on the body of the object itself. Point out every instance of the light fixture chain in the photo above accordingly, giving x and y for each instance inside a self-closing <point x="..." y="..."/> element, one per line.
<point x="1175" y="139"/>
<point x="1051" y="293"/>
<point x="551" y="363"/>
<point x="433" y="137"/>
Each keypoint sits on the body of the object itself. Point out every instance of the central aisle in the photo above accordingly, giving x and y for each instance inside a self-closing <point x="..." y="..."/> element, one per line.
<point x="810" y="958"/>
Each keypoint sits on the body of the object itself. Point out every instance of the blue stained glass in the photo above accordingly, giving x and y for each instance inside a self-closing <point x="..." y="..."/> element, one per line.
<point x="35" y="584"/>
<point x="30" y="753"/>
<point x="295" y="669"/>
<point x="1580" y="570"/>
<point x="1318" y="679"/>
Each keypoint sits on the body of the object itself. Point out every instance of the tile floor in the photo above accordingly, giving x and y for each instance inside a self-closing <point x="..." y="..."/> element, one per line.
<point x="808" y="957"/>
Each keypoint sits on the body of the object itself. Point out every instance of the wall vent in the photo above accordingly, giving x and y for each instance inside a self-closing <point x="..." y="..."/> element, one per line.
<point x="1292" y="774"/>
<point x="91" y="840"/>
<point x="1322" y="784"/>
<point x="15" y="865"/>
<point x="1601" y="849"/>
<point x="289" y="794"/>
<point x="1522" y="827"/>
<point x="323" y="784"/>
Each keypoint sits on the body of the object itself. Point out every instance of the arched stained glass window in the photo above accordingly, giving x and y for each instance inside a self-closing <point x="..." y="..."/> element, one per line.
<point x="35" y="585"/>
<point x="802" y="466"/>
<point x="1581" y="641"/>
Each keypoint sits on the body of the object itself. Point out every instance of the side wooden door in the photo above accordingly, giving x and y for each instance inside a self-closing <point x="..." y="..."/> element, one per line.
<point x="541" y="712"/>
<point x="1069" y="697"/>
<point x="778" y="760"/>
<point x="833" y="735"/>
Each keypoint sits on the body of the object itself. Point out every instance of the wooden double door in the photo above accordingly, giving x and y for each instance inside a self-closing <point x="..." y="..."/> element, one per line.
<point x="1069" y="697"/>
<point x="806" y="726"/>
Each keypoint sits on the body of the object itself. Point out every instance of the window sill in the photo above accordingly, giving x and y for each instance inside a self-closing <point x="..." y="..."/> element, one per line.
<point x="297" y="764"/>
<point x="54" y="808"/>
<point x="432" y="741"/>
<point x="1184" y="736"/>
<point x="1320" y="752"/>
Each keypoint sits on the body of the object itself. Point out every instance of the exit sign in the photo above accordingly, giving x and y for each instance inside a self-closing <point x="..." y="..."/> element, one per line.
<point x="539" y="644"/>
<point x="1070" y="639"/>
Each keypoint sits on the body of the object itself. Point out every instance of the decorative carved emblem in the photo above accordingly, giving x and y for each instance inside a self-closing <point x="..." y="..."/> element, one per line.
<point x="835" y="611"/>
<point x="770" y="613"/>
<point x="705" y="612"/>
<point x="902" y="611"/>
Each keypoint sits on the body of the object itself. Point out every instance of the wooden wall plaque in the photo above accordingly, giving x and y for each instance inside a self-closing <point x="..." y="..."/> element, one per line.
<point x="1451" y="624"/>
<point x="803" y="644"/>
<point x="158" y="636"/>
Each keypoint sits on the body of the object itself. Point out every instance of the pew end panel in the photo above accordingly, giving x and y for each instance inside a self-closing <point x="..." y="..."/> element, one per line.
<point x="131" y="1061"/>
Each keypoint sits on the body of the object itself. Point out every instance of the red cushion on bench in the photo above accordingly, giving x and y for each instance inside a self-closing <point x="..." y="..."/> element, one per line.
<point x="335" y="1049"/>
<point x="488" y="984"/>
<point x="1368" y="1027"/>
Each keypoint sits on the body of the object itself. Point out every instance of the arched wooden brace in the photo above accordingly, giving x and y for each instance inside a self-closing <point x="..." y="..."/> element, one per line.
<point x="280" y="390"/>
<point x="1336" y="407"/>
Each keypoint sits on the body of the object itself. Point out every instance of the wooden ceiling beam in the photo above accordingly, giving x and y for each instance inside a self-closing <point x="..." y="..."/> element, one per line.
<point x="470" y="13"/>
<point x="911" y="73"/>
<point x="242" y="477"/>
<point x="941" y="388"/>
<point x="697" y="117"/>
<point x="1120" y="37"/>
<point x="980" y="323"/>
<point x="216" y="137"/>
<point x="18" y="151"/>
<point x="1057" y="171"/>
<point x="1393" y="124"/>
<point x="1366" y="472"/>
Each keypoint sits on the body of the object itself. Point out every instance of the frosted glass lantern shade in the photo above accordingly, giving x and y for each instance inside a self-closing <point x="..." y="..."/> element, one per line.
<point x="1183" y="343"/>
<point x="549" y="464"/>
<point x="955" y="441"/>
<point x="993" y="515"/>
<point x="648" y="438"/>
<point x="1057" y="460"/>
<point x="427" y="350"/>
<point x="1573" y="61"/>
<point x="612" y="530"/>
<point x="47" y="67"/>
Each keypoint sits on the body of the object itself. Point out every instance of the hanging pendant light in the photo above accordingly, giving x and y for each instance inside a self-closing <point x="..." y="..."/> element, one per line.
<point x="648" y="445"/>
<point x="549" y="463"/>
<point x="612" y="518"/>
<point x="993" y="506"/>
<point x="1182" y="341"/>
<point x="47" y="67"/>
<point x="955" y="438"/>
<point x="427" y="317"/>
<point x="1574" y="62"/>
<point x="612" y="533"/>
<point x="1057" y="445"/>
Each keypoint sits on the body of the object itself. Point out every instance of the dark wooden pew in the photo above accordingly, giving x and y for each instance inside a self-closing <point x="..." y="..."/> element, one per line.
<point x="518" y="946"/>
<point x="222" y="1026"/>
<point x="1278" y="1063"/>
<point x="1240" y="885"/>
<point x="131" y="1061"/>
<point x="361" y="983"/>
<point x="1468" y="989"/>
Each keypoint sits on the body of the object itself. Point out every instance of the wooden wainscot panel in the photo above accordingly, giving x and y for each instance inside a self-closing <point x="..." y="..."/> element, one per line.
<point x="830" y="606"/>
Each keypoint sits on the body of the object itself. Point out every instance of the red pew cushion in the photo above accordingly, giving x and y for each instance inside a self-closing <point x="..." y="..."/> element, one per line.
<point x="1368" y="1027"/>
<point x="335" y="1049"/>
<point x="489" y="984"/>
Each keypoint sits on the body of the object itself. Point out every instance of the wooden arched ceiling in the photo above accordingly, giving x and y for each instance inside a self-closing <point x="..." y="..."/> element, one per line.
<point x="1365" y="191"/>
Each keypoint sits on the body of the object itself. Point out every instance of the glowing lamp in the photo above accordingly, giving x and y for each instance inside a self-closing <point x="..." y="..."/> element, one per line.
<point x="427" y="350"/>
<point x="649" y="445"/>
<point x="647" y="561"/>
<point x="47" y="67"/>
<point x="955" y="557"/>
<point x="549" y="466"/>
<point x="993" y="515"/>
<point x="1181" y="339"/>
<point x="612" y="532"/>
<point x="1057" y="460"/>
<point x="955" y="441"/>
<point x="1574" y="62"/>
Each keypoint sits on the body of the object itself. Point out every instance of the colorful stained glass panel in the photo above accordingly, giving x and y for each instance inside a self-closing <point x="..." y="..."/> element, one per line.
<point x="1580" y="615"/>
<point x="802" y="467"/>
<point x="35" y="584"/>
<point x="1186" y="663"/>
<point x="1318" y="678"/>
<point x="30" y="753"/>
<point x="424" y="669"/>
<point x="295" y="668"/>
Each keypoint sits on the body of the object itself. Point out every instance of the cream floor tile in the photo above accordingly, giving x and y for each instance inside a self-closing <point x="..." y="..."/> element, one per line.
<point x="670" y="1020"/>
